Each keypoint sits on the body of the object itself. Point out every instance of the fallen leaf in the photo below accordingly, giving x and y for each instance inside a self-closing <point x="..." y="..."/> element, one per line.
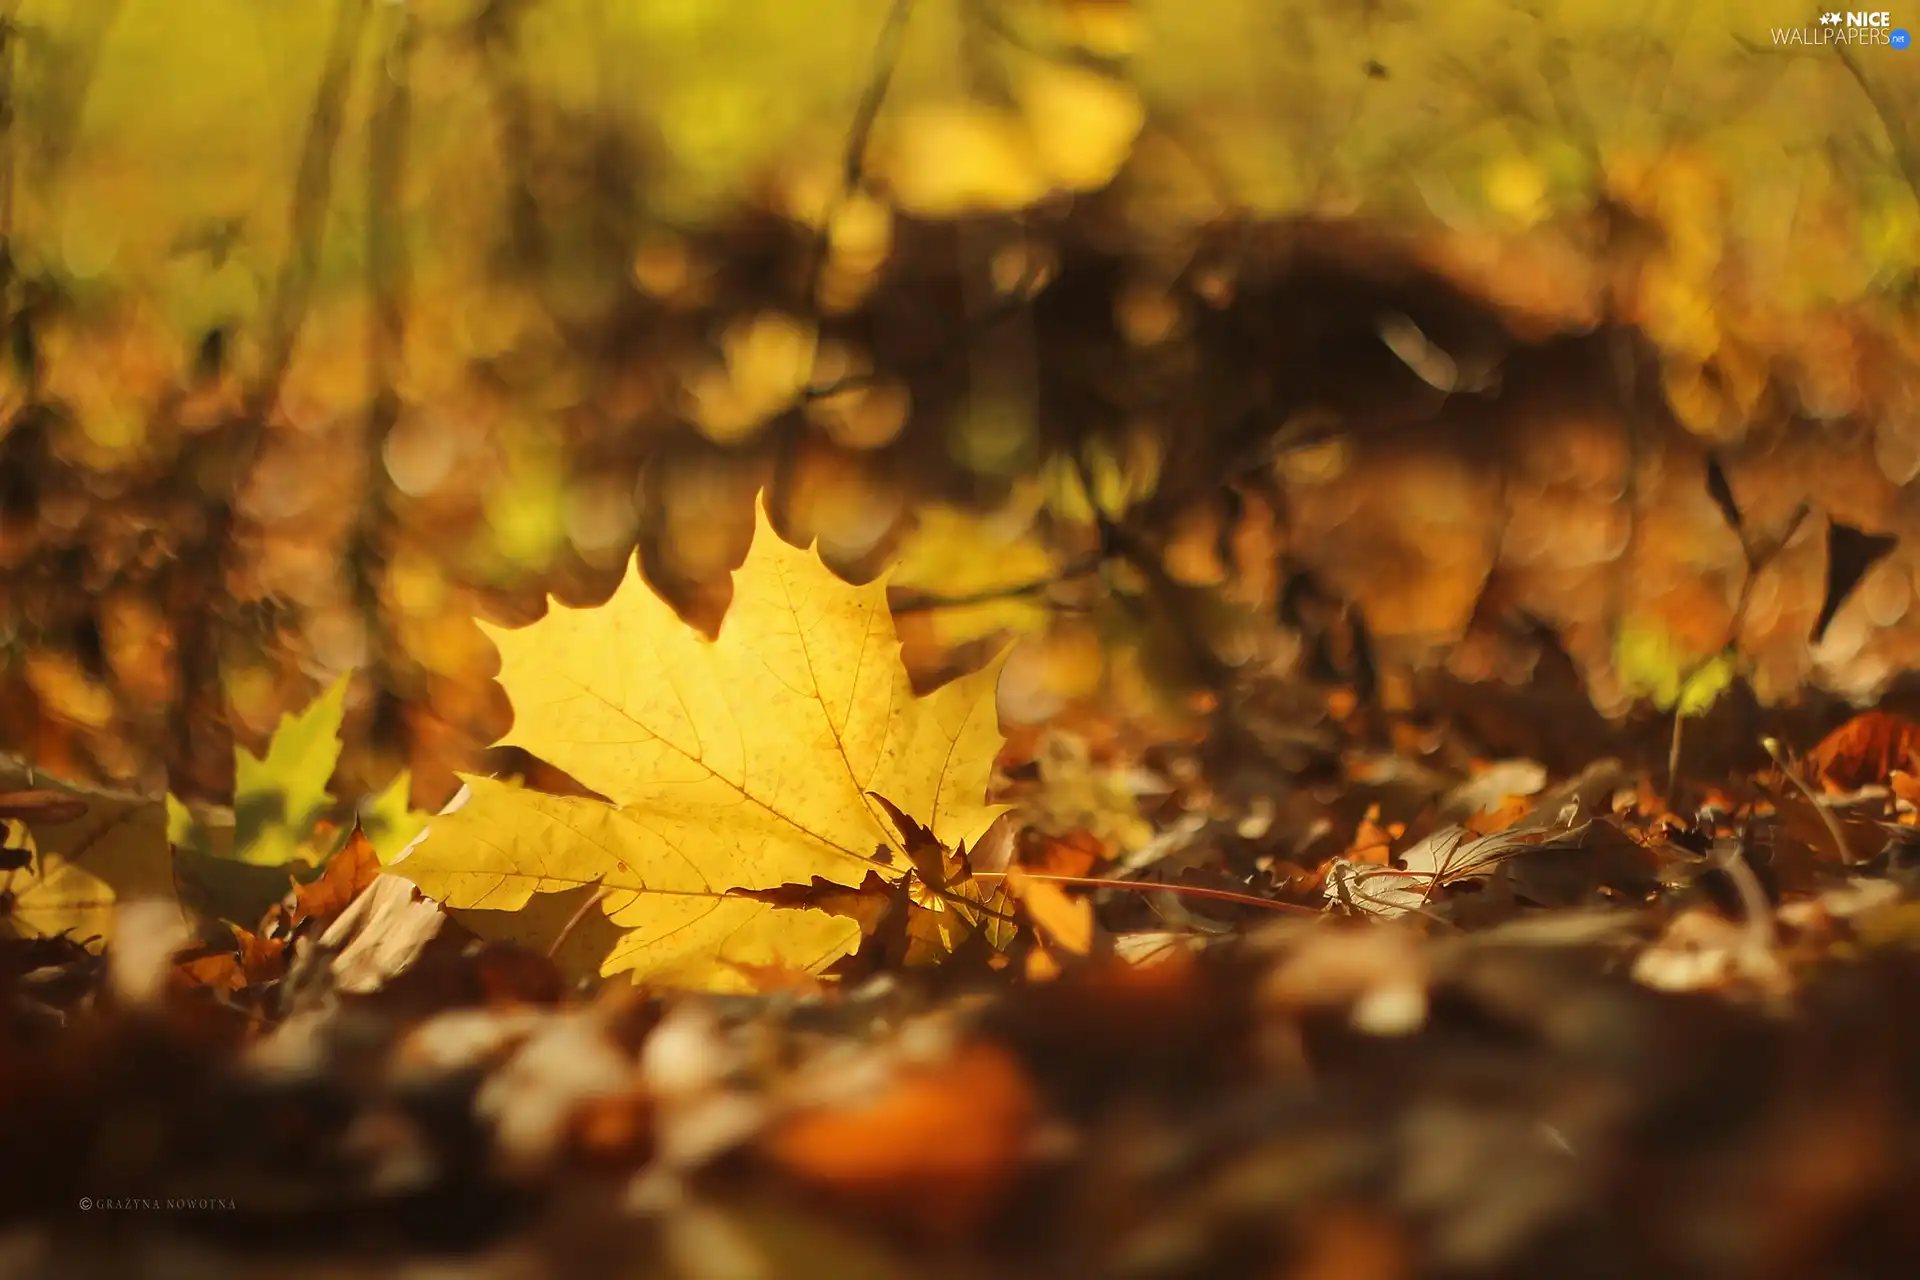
<point x="1803" y="823"/>
<point x="250" y="961"/>
<point x="278" y="798"/>
<point x="936" y="1145"/>
<point x="1702" y="951"/>
<point x="105" y="846"/>
<point x="346" y="875"/>
<point x="1865" y="752"/>
<point x="380" y="935"/>
<point x="755" y="760"/>
<point x="16" y="836"/>
<point x="866" y="904"/>
<point x="1449" y="856"/>
<point x="388" y="819"/>
<point x="1075" y="854"/>
<point x="1372" y="842"/>
<point x="1494" y="786"/>
<point x="1065" y="921"/>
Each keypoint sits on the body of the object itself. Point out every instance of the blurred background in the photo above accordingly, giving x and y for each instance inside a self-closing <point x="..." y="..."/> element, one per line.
<point x="1384" y="345"/>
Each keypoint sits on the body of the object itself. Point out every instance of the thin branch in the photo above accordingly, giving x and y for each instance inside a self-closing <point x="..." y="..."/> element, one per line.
<point x="1758" y="558"/>
<point x="389" y="282"/>
<point x="573" y="921"/>
<point x="494" y="33"/>
<point x="853" y="161"/>
<point x="1759" y="936"/>
<point x="1905" y="154"/>
<point x="9" y="139"/>
<point x="307" y="217"/>
<point x="1143" y="886"/>
<point x="63" y="105"/>
<point x="201" y="577"/>
<point x="1826" y="814"/>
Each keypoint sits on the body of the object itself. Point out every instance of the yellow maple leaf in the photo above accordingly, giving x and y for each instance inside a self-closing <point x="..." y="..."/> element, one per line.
<point x="113" y="849"/>
<point x="746" y="762"/>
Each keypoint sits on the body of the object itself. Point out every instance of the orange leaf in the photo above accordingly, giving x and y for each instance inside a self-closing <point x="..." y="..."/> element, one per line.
<point x="936" y="1146"/>
<point x="217" y="972"/>
<point x="1372" y="842"/>
<point x="1865" y="751"/>
<point x="347" y="876"/>
<point x="261" y="959"/>
<point x="1074" y="855"/>
<point x="1906" y="786"/>
<point x="253" y="960"/>
<point x="867" y="903"/>
<point x="1066" y="921"/>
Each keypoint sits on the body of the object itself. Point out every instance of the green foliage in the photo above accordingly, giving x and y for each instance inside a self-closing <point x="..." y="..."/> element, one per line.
<point x="388" y="821"/>
<point x="278" y="799"/>
<point x="281" y="799"/>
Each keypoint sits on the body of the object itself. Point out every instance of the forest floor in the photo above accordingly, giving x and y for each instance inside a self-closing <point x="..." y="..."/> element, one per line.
<point x="1563" y="1030"/>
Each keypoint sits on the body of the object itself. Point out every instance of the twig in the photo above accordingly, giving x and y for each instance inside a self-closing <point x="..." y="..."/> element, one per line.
<point x="494" y="32"/>
<point x="1143" y="886"/>
<point x="9" y="142"/>
<point x="573" y="922"/>
<point x="1905" y="154"/>
<point x="853" y="162"/>
<point x="1758" y="558"/>
<point x="1753" y="900"/>
<point x="312" y="189"/>
<point x="786" y="435"/>
<point x="389" y="282"/>
<point x="195" y="601"/>
<point x="1826" y="815"/>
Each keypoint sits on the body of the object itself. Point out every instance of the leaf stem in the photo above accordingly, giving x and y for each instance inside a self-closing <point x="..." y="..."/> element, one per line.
<point x="1140" y="886"/>
<point x="574" y="921"/>
<point x="1826" y="815"/>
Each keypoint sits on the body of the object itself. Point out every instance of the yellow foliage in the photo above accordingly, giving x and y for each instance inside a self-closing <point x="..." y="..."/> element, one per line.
<point x="1073" y="132"/>
<point x="1517" y="190"/>
<point x="1083" y="123"/>
<point x="954" y="554"/>
<point x="1121" y="475"/>
<point x="1650" y="665"/>
<point x="746" y="762"/>
<point x="951" y="159"/>
<point x="769" y="359"/>
<point x="116" y="851"/>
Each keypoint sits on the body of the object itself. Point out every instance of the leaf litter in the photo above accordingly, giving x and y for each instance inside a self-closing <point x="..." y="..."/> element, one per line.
<point x="1417" y="1017"/>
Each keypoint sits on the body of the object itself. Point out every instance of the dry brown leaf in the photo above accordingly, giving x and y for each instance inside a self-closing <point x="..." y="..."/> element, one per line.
<point x="868" y="903"/>
<point x="1075" y="854"/>
<point x="252" y="961"/>
<point x="216" y="971"/>
<point x="346" y="877"/>
<point x="1372" y="842"/>
<point x="1865" y="752"/>
<point x="383" y="932"/>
